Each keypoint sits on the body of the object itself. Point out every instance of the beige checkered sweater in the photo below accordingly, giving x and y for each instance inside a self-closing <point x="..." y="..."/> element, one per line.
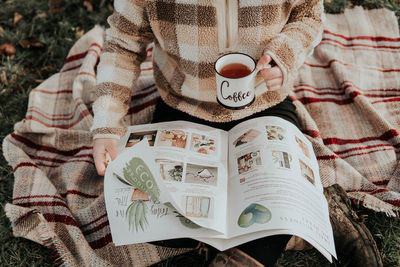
<point x="188" y="36"/>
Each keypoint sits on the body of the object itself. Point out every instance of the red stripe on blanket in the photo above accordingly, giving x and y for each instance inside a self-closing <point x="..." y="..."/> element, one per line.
<point x="83" y="54"/>
<point x="358" y="48"/>
<point x="380" y="190"/>
<point x="75" y="57"/>
<point x="60" y="126"/>
<point x="52" y="92"/>
<point x="328" y="65"/>
<point x="345" y="85"/>
<point x="137" y="108"/>
<point x="330" y="157"/>
<point x="55" y="160"/>
<point x="25" y="164"/>
<point x="48" y="166"/>
<point x="39" y="196"/>
<point x="311" y="100"/>
<point x="356" y="93"/>
<point x="72" y="68"/>
<point x="66" y="116"/>
<point x="312" y="133"/>
<point x="97" y="228"/>
<point x="43" y="204"/>
<point x="384" y="137"/>
<point x="316" y="88"/>
<point x="366" y="153"/>
<point x="396" y="99"/>
<point x="67" y="220"/>
<point x="346" y="101"/>
<point x="86" y="73"/>
<point x="79" y="193"/>
<point x="50" y="115"/>
<point x="102" y="242"/>
<point x="370" y="90"/>
<point x="364" y="148"/>
<point x="95" y="51"/>
<point x="32" y="145"/>
<point x="370" y="38"/>
<point x="341" y="92"/>
<point x="69" y="192"/>
<point x="56" y="165"/>
<point x="82" y="115"/>
<point x="78" y="66"/>
<point x="383" y="182"/>
<point x="95" y="220"/>
<point x="99" y="46"/>
<point x="362" y="45"/>
<point x="327" y="157"/>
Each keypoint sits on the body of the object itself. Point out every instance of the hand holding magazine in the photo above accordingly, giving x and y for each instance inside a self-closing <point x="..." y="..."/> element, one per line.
<point x="181" y="179"/>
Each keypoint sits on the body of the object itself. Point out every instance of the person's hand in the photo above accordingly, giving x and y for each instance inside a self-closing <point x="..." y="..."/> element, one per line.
<point x="101" y="148"/>
<point x="273" y="76"/>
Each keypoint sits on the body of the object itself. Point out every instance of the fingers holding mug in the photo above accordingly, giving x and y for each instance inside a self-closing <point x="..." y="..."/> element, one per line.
<point x="273" y="78"/>
<point x="274" y="84"/>
<point x="271" y="73"/>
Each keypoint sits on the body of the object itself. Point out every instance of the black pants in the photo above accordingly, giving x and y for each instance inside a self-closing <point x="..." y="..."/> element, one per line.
<point x="268" y="249"/>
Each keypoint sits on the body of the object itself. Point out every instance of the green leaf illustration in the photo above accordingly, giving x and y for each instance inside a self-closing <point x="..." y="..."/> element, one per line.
<point x="137" y="215"/>
<point x="139" y="175"/>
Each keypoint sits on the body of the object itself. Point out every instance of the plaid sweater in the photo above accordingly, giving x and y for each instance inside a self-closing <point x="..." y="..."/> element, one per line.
<point x="188" y="37"/>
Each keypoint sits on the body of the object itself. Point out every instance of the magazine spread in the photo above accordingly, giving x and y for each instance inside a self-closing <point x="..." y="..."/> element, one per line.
<point x="181" y="179"/>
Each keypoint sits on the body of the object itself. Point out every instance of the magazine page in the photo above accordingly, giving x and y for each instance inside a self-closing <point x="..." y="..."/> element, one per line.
<point x="192" y="160"/>
<point x="134" y="196"/>
<point x="274" y="182"/>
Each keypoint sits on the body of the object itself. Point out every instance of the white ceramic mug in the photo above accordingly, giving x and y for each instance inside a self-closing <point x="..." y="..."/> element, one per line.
<point x="236" y="93"/>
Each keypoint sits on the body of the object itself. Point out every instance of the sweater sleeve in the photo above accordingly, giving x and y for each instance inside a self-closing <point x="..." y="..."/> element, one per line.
<point x="302" y="32"/>
<point x="119" y="67"/>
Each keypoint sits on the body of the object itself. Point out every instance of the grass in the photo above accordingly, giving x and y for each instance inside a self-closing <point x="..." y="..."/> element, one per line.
<point x="52" y="27"/>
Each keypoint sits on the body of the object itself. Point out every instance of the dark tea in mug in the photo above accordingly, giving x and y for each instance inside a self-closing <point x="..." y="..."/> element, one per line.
<point x="235" y="70"/>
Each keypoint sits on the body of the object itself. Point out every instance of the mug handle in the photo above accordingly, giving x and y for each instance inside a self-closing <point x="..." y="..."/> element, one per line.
<point x="266" y="66"/>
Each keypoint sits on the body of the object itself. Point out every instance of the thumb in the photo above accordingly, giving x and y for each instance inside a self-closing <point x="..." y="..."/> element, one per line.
<point x="100" y="161"/>
<point x="112" y="149"/>
<point x="263" y="61"/>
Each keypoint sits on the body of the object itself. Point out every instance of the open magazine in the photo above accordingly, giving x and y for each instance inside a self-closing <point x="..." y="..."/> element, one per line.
<point x="180" y="179"/>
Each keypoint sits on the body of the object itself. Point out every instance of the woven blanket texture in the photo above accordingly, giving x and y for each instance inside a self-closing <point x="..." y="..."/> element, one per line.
<point x="347" y="97"/>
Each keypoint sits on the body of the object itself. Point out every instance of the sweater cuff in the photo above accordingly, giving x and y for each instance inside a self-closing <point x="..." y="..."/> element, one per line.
<point x="106" y="132"/>
<point x="106" y="136"/>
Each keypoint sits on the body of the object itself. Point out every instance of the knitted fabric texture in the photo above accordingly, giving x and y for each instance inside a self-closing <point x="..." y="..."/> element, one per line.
<point x="188" y="38"/>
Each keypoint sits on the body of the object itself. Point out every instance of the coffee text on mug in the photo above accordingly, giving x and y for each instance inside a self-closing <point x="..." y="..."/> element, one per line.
<point x="237" y="96"/>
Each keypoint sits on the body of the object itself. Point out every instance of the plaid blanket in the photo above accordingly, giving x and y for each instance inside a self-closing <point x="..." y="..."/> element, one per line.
<point x="347" y="97"/>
